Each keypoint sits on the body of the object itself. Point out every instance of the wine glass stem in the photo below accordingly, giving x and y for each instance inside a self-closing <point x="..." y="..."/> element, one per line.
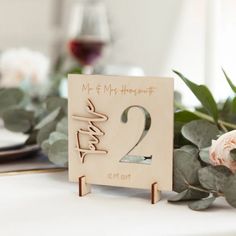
<point x="87" y="70"/>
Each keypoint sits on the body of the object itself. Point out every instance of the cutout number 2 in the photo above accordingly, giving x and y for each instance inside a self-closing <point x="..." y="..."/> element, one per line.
<point x="147" y="124"/>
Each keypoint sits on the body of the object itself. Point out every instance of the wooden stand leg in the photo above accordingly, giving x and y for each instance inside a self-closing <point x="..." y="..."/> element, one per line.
<point x="155" y="193"/>
<point x="84" y="188"/>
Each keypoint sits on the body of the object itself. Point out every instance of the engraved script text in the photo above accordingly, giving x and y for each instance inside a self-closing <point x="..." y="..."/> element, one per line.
<point x="92" y="131"/>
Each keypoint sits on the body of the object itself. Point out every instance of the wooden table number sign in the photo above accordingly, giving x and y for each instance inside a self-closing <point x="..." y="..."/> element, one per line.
<point x="121" y="132"/>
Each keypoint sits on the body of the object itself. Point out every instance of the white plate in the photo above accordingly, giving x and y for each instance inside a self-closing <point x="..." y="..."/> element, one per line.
<point x="10" y="139"/>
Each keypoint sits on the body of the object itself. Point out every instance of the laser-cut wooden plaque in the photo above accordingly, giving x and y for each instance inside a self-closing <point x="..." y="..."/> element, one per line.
<point x="121" y="132"/>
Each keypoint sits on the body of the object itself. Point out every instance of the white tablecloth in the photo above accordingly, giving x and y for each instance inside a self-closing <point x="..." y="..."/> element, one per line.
<point x="47" y="204"/>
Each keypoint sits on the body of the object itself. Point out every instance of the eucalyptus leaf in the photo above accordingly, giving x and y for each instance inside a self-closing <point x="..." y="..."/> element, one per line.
<point x="203" y="94"/>
<point x="201" y="204"/>
<point x="214" y="177"/>
<point x="193" y="194"/>
<point x="49" y="118"/>
<point x="204" y="155"/>
<point x="10" y="98"/>
<point x="190" y="149"/>
<point x="62" y="126"/>
<point x="18" y="120"/>
<point x="232" y="86"/>
<point x="55" y="136"/>
<point x="178" y="197"/>
<point x="58" y="152"/>
<point x="186" y="168"/>
<point x="230" y="190"/>
<point x="188" y="194"/>
<point x="179" y="140"/>
<point x="180" y="119"/>
<point x="200" y="132"/>
<point x="44" y="132"/>
<point x="55" y="102"/>
<point x="233" y="154"/>
<point x="45" y="146"/>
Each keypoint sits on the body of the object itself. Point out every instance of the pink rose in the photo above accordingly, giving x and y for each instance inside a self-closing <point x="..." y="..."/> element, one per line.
<point x="220" y="150"/>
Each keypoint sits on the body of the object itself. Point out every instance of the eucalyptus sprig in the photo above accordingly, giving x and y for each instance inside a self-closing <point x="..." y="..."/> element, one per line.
<point x="195" y="179"/>
<point x="46" y="123"/>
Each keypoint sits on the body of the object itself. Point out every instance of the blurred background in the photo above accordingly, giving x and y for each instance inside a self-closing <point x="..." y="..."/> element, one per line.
<point x="135" y="37"/>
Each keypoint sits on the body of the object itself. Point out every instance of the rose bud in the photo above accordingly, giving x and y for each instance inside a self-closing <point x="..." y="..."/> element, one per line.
<point x="219" y="153"/>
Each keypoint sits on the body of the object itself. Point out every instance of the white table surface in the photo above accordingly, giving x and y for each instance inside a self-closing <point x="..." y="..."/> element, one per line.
<point x="47" y="204"/>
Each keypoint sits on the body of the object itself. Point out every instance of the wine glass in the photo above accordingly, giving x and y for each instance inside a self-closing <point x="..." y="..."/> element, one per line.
<point x="88" y="33"/>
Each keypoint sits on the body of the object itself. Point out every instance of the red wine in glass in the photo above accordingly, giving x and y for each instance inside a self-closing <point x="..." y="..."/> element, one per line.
<point x="86" y="51"/>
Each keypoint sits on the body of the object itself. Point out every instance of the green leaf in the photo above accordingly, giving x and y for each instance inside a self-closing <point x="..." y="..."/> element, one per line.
<point x="54" y="102"/>
<point x="188" y="194"/>
<point x="228" y="110"/>
<point x="74" y="70"/>
<point x="233" y="154"/>
<point x="232" y="86"/>
<point x="200" y="132"/>
<point x="186" y="168"/>
<point x="32" y="139"/>
<point x="178" y="197"/>
<point x="181" y="118"/>
<point x="45" y="146"/>
<point x="204" y="155"/>
<point x="62" y="126"/>
<point x="203" y="94"/>
<point x="44" y="132"/>
<point x="233" y="106"/>
<point x="230" y="190"/>
<point x="53" y="137"/>
<point x="10" y="98"/>
<point x="201" y="204"/>
<point x="48" y="119"/>
<point x="58" y="152"/>
<point x="190" y="149"/>
<point x="214" y="177"/>
<point x="193" y="194"/>
<point x="18" y="120"/>
<point x="185" y="116"/>
<point x="226" y="107"/>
